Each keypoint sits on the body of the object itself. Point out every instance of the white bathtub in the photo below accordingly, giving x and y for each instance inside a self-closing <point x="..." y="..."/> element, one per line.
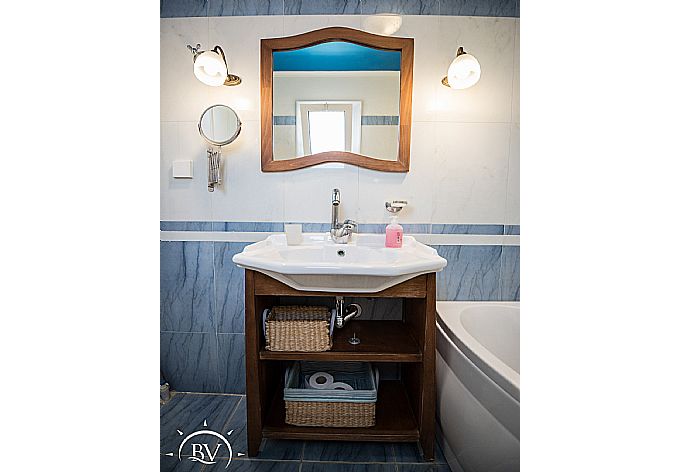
<point x="478" y="385"/>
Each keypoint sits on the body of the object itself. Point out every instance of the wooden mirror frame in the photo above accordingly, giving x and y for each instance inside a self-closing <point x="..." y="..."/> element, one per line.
<point x="325" y="35"/>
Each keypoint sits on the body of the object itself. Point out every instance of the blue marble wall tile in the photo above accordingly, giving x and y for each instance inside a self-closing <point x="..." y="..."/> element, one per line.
<point x="466" y="229"/>
<point x="188" y="413"/>
<point x="248" y="226"/>
<point x="379" y="120"/>
<point x="231" y="363"/>
<point x="315" y="227"/>
<point x="372" y="228"/>
<point x="510" y="273"/>
<point x="284" y="120"/>
<point x="496" y="8"/>
<point x="186" y="226"/>
<point x="512" y="229"/>
<point x="229" y="288"/>
<point x="245" y="7"/>
<point x="183" y="8"/>
<point x="380" y="228"/>
<point x="186" y="286"/>
<point x="348" y="451"/>
<point x="472" y="273"/>
<point x="189" y="361"/>
<point x="340" y="467"/>
<point x="322" y="7"/>
<point x="403" y="7"/>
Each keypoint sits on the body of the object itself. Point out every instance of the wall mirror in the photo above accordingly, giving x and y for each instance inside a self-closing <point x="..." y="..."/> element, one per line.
<point x="336" y="95"/>
<point x="219" y="125"/>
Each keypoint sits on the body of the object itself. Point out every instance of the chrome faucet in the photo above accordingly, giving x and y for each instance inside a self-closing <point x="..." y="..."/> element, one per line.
<point x="343" y="313"/>
<point x="340" y="232"/>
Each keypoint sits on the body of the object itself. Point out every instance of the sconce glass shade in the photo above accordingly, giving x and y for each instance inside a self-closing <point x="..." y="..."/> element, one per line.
<point x="382" y="23"/>
<point x="210" y="68"/>
<point x="464" y="72"/>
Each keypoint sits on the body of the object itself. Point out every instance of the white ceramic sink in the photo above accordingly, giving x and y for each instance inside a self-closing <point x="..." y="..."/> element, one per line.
<point x="318" y="264"/>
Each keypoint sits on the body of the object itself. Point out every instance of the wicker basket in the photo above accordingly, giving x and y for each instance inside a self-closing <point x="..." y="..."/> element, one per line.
<point x="298" y="328"/>
<point x="331" y="408"/>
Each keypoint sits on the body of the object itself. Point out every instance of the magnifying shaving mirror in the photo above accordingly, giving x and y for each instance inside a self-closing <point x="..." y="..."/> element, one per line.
<point x="219" y="125"/>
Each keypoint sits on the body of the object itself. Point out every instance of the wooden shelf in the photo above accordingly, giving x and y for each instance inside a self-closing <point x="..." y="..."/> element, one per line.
<point x="394" y="420"/>
<point x="382" y="341"/>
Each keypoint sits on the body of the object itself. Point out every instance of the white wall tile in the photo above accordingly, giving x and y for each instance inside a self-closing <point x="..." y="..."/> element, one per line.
<point x="308" y="193"/>
<point x="469" y="184"/>
<point x="294" y="24"/>
<point x="491" y="41"/>
<point x="516" y="75"/>
<point x="428" y="67"/>
<point x="513" y="191"/>
<point x="375" y="188"/>
<point x="246" y="193"/>
<point x="240" y="37"/>
<point x="464" y="162"/>
<point x="183" y="97"/>
<point x="183" y="199"/>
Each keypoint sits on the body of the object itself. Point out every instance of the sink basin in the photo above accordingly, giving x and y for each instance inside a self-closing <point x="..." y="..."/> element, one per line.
<point x="318" y="264"/>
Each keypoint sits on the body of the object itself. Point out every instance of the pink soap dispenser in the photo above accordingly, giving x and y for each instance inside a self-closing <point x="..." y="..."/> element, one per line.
<point x="394" y="233"/>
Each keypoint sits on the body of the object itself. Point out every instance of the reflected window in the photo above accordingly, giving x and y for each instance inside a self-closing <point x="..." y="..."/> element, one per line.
<point x="326" y="131"/>
<point x="323" y="126"/>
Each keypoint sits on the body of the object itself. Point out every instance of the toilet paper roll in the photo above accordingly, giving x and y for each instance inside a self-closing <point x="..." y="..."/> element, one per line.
<point x="321" y="380"/>
<point x="341" y="386"/>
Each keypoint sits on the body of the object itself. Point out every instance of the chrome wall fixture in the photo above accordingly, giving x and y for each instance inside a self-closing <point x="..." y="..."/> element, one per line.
<point x="463" y="72"/>
<point x="211" y="67"/>
<point x="213" y="168"/>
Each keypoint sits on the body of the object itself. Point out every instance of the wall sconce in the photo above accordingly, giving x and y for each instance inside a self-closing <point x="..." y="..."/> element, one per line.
<point x="211" y="68"/>
<point x="463" y="72"/>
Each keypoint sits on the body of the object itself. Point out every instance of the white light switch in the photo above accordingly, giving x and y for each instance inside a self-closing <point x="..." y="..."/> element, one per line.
<point x="183" y="170"/>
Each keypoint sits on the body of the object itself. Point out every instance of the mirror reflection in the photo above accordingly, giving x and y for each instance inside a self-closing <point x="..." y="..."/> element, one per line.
<point x="219" y="125"/>
<point x="336" y="96"/>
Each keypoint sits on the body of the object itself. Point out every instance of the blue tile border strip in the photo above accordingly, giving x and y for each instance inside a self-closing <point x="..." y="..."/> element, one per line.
<point x="367" y="120"/>
<point x="214" y="8"/>
<point x="284" y="120"/>
<point x="277" y="227"/>
<point x="374" y="120"/>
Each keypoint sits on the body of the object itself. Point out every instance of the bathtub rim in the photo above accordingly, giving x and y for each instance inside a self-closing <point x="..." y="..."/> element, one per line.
<point x="493" y="367"/>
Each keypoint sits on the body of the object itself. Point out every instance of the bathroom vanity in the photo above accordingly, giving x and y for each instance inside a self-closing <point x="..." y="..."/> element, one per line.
<point x="405" y="409"/>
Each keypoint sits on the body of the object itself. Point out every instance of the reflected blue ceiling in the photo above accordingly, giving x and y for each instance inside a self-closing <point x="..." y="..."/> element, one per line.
<point x="336" y="56"/>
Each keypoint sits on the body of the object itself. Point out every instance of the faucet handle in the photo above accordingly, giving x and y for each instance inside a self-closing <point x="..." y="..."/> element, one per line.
<point x="352" y="224"/>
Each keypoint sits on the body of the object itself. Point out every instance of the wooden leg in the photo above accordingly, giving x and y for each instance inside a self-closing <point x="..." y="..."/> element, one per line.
<point x="427" y="426"/>
<point x="254" y="407"/>
<point x="420" y="378"/>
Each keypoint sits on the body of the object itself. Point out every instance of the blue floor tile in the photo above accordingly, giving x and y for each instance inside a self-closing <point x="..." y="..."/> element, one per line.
<point x="187" y="413"/>
<point x="174" y="464"/>
<point x="244" y="465"/>
<point x="410" y="452"/>
<point x="281" y="449"/>
<point x="423" y="468"/>
<point x="238" y="426"/>
<point x="333" y="451"/>
<point x="335" y="467"/>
